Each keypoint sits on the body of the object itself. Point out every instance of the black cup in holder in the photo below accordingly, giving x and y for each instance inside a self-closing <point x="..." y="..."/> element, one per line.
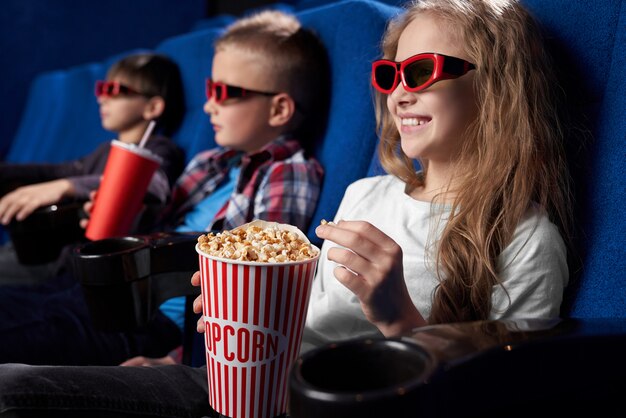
<point x="58" y="225"/>
<point x="360" y="378"/>
<point x="126" y="279"/>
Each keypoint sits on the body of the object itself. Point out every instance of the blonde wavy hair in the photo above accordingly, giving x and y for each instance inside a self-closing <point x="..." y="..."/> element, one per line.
<point x="512" y="156"/>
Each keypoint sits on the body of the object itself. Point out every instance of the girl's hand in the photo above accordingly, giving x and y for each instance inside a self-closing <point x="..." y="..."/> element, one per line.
<point x="197" y="304"/>
<point x="23" y="201"/>
<point x="371" y="267"/>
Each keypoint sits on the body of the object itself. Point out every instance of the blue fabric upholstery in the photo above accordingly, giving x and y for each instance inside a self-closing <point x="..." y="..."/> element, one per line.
<point x="350" y="139"/>
<point x="61" y="119"/>
<point x="589" y="49"/>
<point x="225" y="19"/>
<point x="588" y="43"/>
<point x="594" y="40"/>
<point x="215" y="22"/>
<point x="351" y="46"/>
<point x="193" y="53"/>
<point x="310" y="4"/>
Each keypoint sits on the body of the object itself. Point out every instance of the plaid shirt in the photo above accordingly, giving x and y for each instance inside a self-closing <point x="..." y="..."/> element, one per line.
<point x="275" y="184"/>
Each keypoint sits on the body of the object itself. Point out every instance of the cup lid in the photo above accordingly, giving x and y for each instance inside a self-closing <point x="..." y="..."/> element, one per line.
<point x="144" y="152"/>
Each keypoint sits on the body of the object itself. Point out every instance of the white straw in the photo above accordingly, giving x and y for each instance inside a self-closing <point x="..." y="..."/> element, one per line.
<point x="146" y="134"/>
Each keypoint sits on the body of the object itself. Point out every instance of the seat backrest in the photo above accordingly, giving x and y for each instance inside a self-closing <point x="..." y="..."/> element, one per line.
<point x="193" y="52"/>
<point x="589" y="44"/>
<point x="350" y="138"/>
<point x="60" y="121"/>
<point x="309" y="4"/>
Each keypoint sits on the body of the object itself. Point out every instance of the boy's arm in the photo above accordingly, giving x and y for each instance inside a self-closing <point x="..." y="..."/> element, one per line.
<point x="31" y="173"/>
<point x="289" y="193"/>
<point x="21" y="174"/>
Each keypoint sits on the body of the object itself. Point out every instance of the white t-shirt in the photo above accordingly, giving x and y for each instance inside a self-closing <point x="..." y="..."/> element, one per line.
<point x="533" y="268"/>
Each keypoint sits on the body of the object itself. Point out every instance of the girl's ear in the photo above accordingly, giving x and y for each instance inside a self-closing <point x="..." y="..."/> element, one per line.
<point x="282" y="110"/>
<point x="154" y="108"/>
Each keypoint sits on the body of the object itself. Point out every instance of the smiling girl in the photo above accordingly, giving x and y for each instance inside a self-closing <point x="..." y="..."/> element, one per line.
<point x="465" y="89"/>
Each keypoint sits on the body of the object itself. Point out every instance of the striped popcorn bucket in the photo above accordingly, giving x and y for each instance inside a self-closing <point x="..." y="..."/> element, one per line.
<point x="254" y="317"/>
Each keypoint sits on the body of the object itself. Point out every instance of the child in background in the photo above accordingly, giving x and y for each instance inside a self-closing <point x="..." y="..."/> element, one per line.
<point x="260" y="171"/>
<point x="138" y="88"/>
<point x="268" y="81"/>
<point x="476" y="234"/>
<point x="266" y="94"/>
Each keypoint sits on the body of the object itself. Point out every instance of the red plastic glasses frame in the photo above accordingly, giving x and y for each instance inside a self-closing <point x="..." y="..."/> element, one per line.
<point x="223" y="91"/>
<point x="113" y="89"/>
<point x="423" y="71"/>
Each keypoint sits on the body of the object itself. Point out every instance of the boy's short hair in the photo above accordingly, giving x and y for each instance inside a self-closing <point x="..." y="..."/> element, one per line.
<point x="155" y="75"/>
<point x="295" y="56"/>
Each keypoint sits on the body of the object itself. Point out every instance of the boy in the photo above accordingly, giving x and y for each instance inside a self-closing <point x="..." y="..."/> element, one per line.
<point x="268" y="74"/>
<point x="138" y="88"/>
<point x="260" y="171"/>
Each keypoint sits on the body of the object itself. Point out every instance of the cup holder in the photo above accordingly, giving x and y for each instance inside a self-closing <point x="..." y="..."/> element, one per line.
<point x="59" y="224"/>
<point x="126" y="279"/>
<point x="112" y="247"/>
<point x="112" y="260"/>
<point x="360" y="378"/>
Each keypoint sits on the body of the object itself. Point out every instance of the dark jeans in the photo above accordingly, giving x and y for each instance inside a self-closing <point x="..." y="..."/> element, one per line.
<point x="50" y="324"/>
<point x="103" y="392"/>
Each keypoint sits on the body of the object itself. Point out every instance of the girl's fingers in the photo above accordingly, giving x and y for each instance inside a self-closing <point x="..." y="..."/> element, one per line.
<point x="366" y="230"/>
<point x="350" y="239"/>
<point x="361" y="237"/>
<point x="195" y="279"/>
<point x="197" y="304"/>
<point x="350" y="259"/>
<point x="356" y="284"/>
<point x="200" y="326"/>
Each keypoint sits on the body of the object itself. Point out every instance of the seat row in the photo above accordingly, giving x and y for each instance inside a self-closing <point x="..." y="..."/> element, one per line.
<point x="61" y="120"/>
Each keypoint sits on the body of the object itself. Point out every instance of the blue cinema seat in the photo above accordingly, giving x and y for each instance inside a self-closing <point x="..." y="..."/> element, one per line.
<point x="193" y="52"/>
<point x="61" y="118"/>
<point x="221" y="20"/>
<point x="589" y="48"/>
<point x="309" y="4"/>
<point x="60" y="121"/>
<point x="589" y="45"/>
<point x="349" y="141"/>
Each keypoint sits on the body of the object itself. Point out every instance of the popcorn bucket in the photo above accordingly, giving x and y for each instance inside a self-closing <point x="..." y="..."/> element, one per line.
<point x="254" y="315"/>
